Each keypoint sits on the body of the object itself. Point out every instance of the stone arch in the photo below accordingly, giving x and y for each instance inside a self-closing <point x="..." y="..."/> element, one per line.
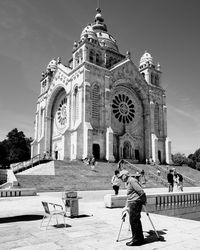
<point x="52" y="96"/>
<point x="128" y="146"/>
<point x="127" y="150"/>
<point x="51" y="101"/>
<point x="137" y="88"/>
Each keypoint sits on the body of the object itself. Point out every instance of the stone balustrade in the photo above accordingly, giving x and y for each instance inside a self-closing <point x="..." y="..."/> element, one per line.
<point x="17" y="192"/>
<point x="184" y="204"/>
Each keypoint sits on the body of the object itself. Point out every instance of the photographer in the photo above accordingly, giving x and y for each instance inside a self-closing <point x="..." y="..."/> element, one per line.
<point x="136" y="197"/>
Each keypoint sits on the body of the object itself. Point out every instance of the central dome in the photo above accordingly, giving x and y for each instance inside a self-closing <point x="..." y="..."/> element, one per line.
<point x="98" y="31"/>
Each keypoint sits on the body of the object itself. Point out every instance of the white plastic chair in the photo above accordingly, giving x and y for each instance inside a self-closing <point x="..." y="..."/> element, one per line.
<point x="52" y="209"/>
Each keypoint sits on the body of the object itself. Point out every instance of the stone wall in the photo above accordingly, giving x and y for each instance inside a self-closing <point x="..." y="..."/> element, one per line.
<point x="183" y="205"/>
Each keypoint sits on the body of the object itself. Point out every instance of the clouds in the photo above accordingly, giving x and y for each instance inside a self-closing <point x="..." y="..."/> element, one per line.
<point x="191" y="115"/>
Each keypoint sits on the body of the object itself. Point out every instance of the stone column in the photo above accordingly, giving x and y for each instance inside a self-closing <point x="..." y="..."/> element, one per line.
<point x="168" y="151"/>
<point x="109" y="145"/>
<point x="154" y="142"/>
<point x="147" y="129"/>
<point x="86" y="139"/>
<point x="47" y="135"/>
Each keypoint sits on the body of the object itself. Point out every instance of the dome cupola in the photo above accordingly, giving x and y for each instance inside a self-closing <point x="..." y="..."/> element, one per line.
<point x="98" y="31"/>
<point x="146" y="59"/>
<point x="88" y="32"/>
<point x="52" y="65"/>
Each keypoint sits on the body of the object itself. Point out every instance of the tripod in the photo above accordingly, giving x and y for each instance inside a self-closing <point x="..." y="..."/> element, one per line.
<point x="123" y="220"/>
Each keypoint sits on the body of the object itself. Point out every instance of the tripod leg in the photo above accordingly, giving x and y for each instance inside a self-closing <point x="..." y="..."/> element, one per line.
<point x="151" y="222"/>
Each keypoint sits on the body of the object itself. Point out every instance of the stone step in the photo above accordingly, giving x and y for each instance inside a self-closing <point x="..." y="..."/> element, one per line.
<point x="72" y="175"/>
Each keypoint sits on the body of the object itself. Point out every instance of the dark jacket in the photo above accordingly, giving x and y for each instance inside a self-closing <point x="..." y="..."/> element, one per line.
<point x="170" y="178"/>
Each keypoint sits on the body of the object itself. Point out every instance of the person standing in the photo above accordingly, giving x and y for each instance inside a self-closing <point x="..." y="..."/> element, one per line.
<point x="115" y="182"/>
<point x="121" y="165"/>
<point x="142" y="178"/>
<point x="180" y="178"/>
<point x="136" y="198"/>
<point x="170" y="179"/>
<point x="93" y="163"/>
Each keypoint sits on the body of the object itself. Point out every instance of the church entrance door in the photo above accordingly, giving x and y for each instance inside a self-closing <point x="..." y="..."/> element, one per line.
<point x="159" y="156"/>
<point x="127" y="150"/>
<point x="96" y="151"/>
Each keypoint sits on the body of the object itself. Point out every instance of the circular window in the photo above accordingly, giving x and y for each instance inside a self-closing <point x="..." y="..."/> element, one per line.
<point x="123" y="108"/>
<point x="61" y="113"/>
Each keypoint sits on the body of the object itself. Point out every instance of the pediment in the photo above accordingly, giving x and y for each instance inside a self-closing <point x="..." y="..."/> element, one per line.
<point x="125" y="70"/>
<point x="126" y="73"/>
<point x="126" y="137"/>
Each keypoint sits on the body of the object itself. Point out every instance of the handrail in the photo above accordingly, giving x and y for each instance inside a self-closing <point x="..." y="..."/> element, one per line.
<point x="25" y="164"/>
<point x="149" y="173"/>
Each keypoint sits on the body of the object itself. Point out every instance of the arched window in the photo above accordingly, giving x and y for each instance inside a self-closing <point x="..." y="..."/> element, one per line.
<point x="80" y="56"/>
<point x="156" y="80"/>
<point x="75" y="105"/>
<point x="91" y="56"/>
<point x="98" y="61"/>
<point x="152" y="78"/>
<point x="156" y="119"/>
<point x="95" y="103"/>
<point x="76" y="59"/>
<point x="41" y="121"/>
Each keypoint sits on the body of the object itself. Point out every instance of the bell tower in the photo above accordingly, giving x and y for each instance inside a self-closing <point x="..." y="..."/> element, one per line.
<point x="150" y="72"/>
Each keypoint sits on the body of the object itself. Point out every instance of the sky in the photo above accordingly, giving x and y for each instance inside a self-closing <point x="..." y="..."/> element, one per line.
<point x="32" y="32"/>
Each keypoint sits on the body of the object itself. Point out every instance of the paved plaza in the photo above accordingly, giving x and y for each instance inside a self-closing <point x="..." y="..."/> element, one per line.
<point x="97" y="227"/>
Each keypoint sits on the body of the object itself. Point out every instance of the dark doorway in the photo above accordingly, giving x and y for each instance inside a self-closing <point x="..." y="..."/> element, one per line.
<point x="56" y="155"/>
<point x="137" y="155"/>
<point x="159" y="156"/>
<point x="127" y="150"/>
<point x="96" y="151"/>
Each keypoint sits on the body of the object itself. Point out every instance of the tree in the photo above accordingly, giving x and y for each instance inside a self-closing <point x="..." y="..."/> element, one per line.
<point x="3" y="155"/>
<point x="196" y="156"/>
<point x="191" y="163"/>
<point x="16" y="147"/>
<point x="179" y="159"/>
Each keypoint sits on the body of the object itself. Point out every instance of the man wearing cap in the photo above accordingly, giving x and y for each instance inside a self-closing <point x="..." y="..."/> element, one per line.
<point x="136" y="197"/>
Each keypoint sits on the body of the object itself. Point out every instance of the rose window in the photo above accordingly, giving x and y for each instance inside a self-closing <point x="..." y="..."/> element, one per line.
<point x="61" y="114"/>
<point x="123" y="108"/>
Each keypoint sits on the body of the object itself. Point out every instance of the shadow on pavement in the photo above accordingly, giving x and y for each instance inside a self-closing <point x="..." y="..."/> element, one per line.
<point x="27" y="217"/>
<point x="62" y="226"/>
<point x="81" y="216"/>
<point x="152" y="237"/>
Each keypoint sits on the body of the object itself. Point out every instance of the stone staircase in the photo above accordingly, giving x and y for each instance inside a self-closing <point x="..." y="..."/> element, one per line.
<point x="60" y="175"/>
<point x="72" y="175"/>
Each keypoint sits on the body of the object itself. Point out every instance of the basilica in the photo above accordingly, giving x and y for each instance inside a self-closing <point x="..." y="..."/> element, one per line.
<point x="101" y="104"/>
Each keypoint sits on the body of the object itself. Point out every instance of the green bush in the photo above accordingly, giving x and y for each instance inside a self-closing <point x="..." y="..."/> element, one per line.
<point x="179" y="159"/>
<point x="198" y="166"/>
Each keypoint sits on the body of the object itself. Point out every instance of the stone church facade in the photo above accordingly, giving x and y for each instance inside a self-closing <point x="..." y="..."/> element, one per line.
<point x="101" y="104"/>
